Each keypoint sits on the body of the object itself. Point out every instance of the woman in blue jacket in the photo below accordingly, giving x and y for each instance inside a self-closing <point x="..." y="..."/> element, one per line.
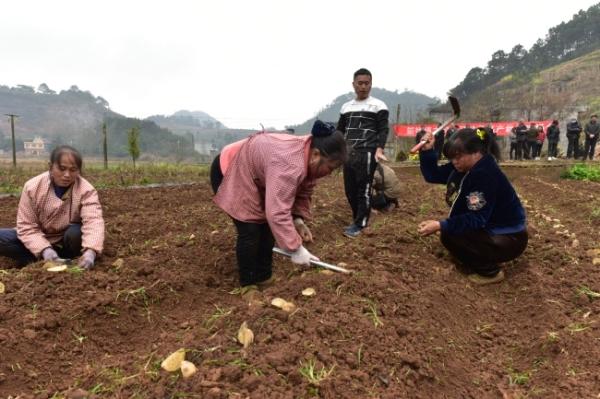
<point x="487" y="223"/>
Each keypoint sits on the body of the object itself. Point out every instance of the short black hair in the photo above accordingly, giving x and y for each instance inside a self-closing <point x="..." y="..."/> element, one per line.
<point x="59" y="151"/>
<point x="363" y="71"/>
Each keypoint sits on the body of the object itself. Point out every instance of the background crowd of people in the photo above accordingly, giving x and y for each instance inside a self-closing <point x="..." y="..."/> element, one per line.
<point x="528" y="142"/>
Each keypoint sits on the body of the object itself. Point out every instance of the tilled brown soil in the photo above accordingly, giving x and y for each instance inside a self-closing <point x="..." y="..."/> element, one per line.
<point x="405" y="324"/>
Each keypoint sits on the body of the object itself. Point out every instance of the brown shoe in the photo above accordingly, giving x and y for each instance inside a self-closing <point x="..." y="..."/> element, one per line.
<point x="483" y="280"/>
<point x="267" y="283"/>
<point x="249" y="293"/>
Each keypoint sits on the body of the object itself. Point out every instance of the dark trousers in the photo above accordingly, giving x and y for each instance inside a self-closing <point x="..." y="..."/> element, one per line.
<point x="552" y="148"/>
<point x="358" y="179"/>
<point x="590" y="147"/>
<point x="254" y="245"/>
<point x="573" y="146"/>
<point x="482" y="251"/>
<point x="11" y="247"/>
<point x="382" y="202"/>
<point x="538" y="150"/>
<point x="512" y="153"/>
<point x="531" y="149"/>
<point x="521" y="148"/>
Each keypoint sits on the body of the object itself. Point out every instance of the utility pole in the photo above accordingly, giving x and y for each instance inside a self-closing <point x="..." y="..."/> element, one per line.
<point x="396" y="138"/>
<point x="104" y="145"/>
<point x="12" y="129"/>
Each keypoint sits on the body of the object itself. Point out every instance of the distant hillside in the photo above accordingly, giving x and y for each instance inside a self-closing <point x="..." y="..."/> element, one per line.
<point x="183" y="122"/>
<point x="75" y="117"/>
<point x="154" y="140"/>
<point x="46" y="113"/>
<point x="209" y="134"/>
<point x="561" y="91"/>
<point x="412" y="107"/>
<point x="556" y="75"/>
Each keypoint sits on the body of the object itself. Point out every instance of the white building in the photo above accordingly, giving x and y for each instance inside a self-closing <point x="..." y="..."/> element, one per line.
<point x="35" y="147"/>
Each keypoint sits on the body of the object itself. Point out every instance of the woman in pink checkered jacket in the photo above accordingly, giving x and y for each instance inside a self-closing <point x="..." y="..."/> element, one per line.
<point x="265" y="183"/>
<point x="59" y="216"/>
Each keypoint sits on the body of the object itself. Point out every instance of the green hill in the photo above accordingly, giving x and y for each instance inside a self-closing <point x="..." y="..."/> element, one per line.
<point x="561" y="91"/>
<point x="75" y="117"/>
<point x="556" y="77"/>
<point x="413" y="106"/>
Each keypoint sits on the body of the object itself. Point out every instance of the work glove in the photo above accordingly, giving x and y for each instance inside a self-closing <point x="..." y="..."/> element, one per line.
<point x="86" y="260"/>
<point x="49" y="254"/>
<point x="301" y="256"/>
<point x="303" y="230"/>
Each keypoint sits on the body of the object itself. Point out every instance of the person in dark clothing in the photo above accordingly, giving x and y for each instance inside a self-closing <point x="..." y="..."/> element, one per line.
<point x="592" y="130"/>
<point x="512" y="153"/>
<point x="420" y="134"/>
<point x="532" y="137"/>
<point x="386" y="189"/>
<point x="521" y="131"/>
<point x="490" y="130"/>
<point x="553" y="137"/>
<point x="487" y="223"/>
<point x="364" y="123"/>
<point x="573" y="132"/>
<point x="451" y="130"/>
<point x="438" y="144"/>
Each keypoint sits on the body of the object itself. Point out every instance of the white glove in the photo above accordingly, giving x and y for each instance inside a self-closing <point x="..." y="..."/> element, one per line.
<point x="87" y="259"/>
<point x="49" y="254"/>
<point x="301" y="256"/>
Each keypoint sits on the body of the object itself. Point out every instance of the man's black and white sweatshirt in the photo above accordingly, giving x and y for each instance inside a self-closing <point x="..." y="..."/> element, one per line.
<point x="364" y="123"/>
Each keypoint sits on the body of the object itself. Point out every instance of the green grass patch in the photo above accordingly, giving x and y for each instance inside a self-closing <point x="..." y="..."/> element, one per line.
<point x="582" y="172"/>
<point x="118" y="174"/>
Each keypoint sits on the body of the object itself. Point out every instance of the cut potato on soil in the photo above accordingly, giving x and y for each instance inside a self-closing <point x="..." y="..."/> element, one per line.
<point x="593" y="252"/>
<point x="118" y="263"/>
<point x="309" y="291"/>
<point x="2" y="288"/>
<point x="283" y="305"/>
<point x="245" y="335"/>
<point x="278" y="302"/>
<point x="188" y="369"/>
<point x="173" y="361"/>
<point x="57" y="268"/>
<point x="50" y="263"/>
<point x="288" y="307"/>
<point x="596" y="261"/>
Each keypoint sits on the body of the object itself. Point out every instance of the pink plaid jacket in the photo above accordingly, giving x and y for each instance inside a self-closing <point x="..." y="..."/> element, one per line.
<point x="267" y="181"/>
<point x="43" y="218"/>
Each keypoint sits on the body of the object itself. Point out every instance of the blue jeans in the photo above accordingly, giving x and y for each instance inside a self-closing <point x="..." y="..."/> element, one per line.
<point x="11" y="247"/>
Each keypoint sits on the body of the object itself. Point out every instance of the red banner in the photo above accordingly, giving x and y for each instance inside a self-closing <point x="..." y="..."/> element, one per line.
<point x="500" y="128"/>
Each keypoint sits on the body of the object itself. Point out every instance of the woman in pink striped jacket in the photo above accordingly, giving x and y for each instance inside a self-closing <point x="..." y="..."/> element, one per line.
<point x="265" y="183"/>
<point x="59" y="215"/>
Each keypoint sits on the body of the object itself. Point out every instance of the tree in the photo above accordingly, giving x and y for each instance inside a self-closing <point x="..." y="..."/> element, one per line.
<point x="133" y="143"/>
<point x="101" y="101"/>
<point x="105" y="145"/>
<point x="44" y="89"/>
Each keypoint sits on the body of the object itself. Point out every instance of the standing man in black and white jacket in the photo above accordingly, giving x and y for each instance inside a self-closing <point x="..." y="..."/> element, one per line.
<point x="364" y="122"/>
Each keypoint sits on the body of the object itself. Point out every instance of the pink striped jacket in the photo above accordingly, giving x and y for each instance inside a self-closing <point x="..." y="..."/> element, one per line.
<point x="267" y="181"/>
<point x="43" y="218"/>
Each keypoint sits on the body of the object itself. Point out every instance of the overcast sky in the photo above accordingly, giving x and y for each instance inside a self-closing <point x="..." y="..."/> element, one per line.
<point x="247" y="62"/>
